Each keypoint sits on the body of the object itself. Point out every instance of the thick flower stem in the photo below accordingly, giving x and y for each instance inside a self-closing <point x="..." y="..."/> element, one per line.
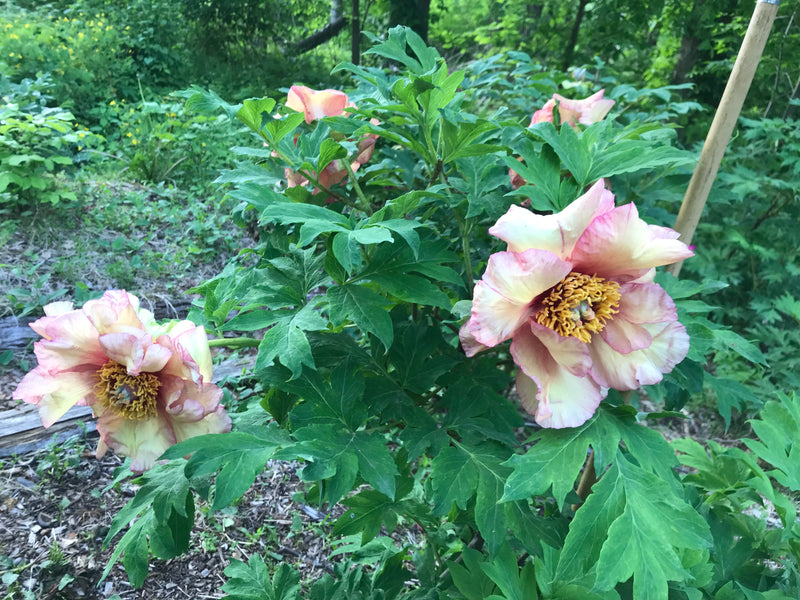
<point x="234" y="343"/>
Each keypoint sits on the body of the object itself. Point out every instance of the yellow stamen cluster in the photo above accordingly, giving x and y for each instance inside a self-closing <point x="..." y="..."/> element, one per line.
<point x="579" y="305"/>
<point x="129" y="396"/>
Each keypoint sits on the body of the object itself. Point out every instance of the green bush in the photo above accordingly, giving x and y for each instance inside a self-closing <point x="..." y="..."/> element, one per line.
<point x="36" y="143"/>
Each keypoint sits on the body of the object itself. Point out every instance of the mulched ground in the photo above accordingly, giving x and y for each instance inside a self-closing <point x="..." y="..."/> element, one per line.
<point x="54" y="518"/>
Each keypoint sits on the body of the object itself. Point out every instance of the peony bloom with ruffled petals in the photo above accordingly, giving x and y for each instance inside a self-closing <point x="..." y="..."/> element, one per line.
<point x="574" y="292"/>
<point x="148" y="384"/>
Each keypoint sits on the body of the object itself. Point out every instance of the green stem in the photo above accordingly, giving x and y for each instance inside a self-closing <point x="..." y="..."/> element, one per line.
<point x="464" y="228"/>
<point x="363" y="203"/>
<point x="237" y="342"/>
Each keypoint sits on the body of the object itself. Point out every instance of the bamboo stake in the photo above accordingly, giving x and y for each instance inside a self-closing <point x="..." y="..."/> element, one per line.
<point x="724" y="121"/>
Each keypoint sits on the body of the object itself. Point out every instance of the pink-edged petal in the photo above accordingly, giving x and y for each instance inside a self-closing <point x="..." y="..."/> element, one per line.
<point x="646" y="303"/>
<point x="56" y="394"/>
<point x="566" y="396"/>
<point x="316" y="104"/>
<point x="70" y="341"/>
<point x="669" y="346"/>
<point x="217" y="421"/>
<point x="126" y="349"/>
<point x="624" y="336"/>
<point x="155" y="358"/>
<point x="619" y="245"/>
<point x="191" y="358"/>
<point x="186" y="402"/>
<point x="114" y="311"/>
<point x="470" y="345"/>
<point x="143" y="440"/>
<point x="559" y="232"/>
<point x="502" y="298"/>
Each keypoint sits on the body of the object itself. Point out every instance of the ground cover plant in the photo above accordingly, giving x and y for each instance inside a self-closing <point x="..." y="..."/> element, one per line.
<point x="450" y="286"/>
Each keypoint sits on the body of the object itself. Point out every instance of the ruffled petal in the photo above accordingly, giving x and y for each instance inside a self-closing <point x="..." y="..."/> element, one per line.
<point x="502" y="298"/>
<point x="558" y="233"/>
<point x="565" y="395"/>
<point x="143" y="440"/>
<point x="191" y="358"/>
<point x="669" y="346"/>
<point x="126" y="349"/>
<point x="56" y="394"/>
<point x="619" y="245"/>
<point x="114" y="311"/>
<point x="70" y="341"/>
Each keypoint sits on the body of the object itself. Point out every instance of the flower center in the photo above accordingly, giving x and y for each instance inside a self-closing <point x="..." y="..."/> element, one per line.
<point x="129" y="396"/>
<point x="579" y="305"/>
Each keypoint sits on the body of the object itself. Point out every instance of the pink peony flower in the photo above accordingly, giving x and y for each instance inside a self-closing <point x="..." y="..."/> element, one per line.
<point x="317" y="103"/>
<point x="148" y="384"/>
<point x="574" y="292"/>
<point x="327" y="103"/>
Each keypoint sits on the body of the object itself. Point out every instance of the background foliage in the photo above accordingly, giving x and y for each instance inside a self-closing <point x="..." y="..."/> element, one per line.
<point x="358" y="374"/>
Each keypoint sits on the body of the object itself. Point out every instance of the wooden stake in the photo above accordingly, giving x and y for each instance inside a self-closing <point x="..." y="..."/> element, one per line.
<point x="724" y="121"/>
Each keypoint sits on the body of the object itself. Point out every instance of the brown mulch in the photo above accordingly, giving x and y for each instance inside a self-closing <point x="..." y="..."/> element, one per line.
<point x="55" y="516"/>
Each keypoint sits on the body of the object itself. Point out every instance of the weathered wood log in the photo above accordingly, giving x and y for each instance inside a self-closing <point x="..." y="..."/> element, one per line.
<point x="21" y="429"/>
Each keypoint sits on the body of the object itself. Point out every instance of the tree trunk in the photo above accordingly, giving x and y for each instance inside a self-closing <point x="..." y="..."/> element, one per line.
<point x="335" y="24"/>
<point x="411" y="13"/>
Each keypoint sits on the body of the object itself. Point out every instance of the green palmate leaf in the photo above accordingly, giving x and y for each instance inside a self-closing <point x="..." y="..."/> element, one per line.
<point x="730" y="394"/>
<point x="459" y="139"/>
<point x="556" y="458"/>
<point x="287" y="339"/>
<point x="336" y="402"/>
<point x="338" y="457"/>
<point x="256" y="112"/>
<point x="364" y="307"/>
<point x="164" y="507"/>
<point x="555" y="463"/>
<point x="778" y="429"/>
<point x="367" y="512"/>
<point x="252" y="581"/>
<point x="725" y="339"/>
<point x="513" y="582"/>
<point x="541" y="168"/>
<point x="329" y="150"/>
<point x="315" y="219"/>
<point x="458" y="472"/>
<point x="397" y="46"/>
<point x="481" y="183"/>
<point x="633" y="524"/>
<point x="277" y="129"/>
<point x="236" y="457"/>
<point x="454" y="479"/>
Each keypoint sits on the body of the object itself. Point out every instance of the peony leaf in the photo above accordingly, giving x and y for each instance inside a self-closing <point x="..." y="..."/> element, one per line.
<point x="364" y="307"/>
<point x="778" y="429"/>
<point x="633" y="524"/>
<point x="252" y="581"/>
